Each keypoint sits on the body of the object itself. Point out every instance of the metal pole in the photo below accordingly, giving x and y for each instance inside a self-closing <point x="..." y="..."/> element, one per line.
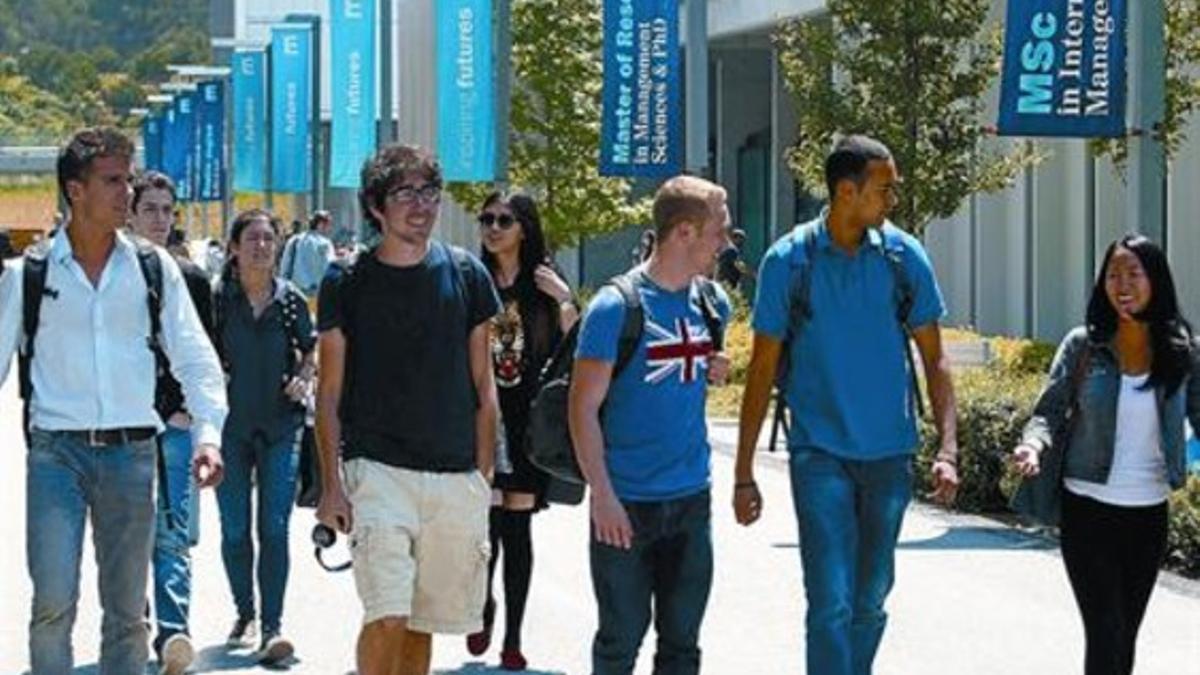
<point x="268" y="130"/>
<point x="696" y="89"/>
<point x="385" y="134"/>
<point x="227" y="158"/>
<point x="502" y="44"/>
<point x="1145" y="207"/>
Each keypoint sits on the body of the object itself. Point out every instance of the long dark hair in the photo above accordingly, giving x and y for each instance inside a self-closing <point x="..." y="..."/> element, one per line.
<point x="541" y="324"/>
<point x="1170" y="333"/>
<point x="237" y="229"/>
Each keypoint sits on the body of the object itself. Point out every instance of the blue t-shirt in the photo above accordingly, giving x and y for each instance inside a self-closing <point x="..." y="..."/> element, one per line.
<point x="655" y="436"/>
<point x="849" y="388"/>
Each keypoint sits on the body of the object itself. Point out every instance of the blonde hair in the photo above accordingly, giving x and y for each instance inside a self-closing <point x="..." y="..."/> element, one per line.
<point x="685" y="199"/>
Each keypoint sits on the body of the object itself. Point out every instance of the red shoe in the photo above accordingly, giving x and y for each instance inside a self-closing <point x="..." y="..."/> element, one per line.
<point x="478" y="643"/>
<point x="512" y="659"/>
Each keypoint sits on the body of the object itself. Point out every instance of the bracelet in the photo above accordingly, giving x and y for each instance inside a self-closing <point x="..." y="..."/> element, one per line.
<point x="747" y="484"/>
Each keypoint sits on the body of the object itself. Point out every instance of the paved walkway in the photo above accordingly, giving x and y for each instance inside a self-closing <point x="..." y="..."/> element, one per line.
<point x="972" y="597"/>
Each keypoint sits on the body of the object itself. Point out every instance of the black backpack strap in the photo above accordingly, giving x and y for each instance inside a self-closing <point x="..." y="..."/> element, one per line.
<point x="462" y="267"/>
<point x="634" y="323"/>
<point x="712" y="316"/>
<point x="904" y="298"/>
<point x="33" y="287"/>
<point x="800" y="291"/>
<point x="151" y="266"/>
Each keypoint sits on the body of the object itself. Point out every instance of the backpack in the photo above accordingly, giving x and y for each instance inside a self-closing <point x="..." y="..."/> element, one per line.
<point x="800" y="311"/>
<point x="550" y="447"/>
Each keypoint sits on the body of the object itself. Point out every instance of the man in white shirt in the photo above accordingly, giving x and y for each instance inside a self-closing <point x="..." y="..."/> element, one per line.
<point x="92" y="422"/>
<point x="306" y="257"/>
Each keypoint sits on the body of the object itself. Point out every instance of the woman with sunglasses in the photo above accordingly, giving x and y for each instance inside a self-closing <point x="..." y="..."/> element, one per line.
<point x="538" y="309"/>
<point x="1119" y="390"/>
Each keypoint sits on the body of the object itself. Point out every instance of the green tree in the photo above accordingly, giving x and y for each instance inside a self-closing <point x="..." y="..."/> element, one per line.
<point x="554" y="141"/>
<point x="912" y="73"/>
<point x="1182" y="37"/>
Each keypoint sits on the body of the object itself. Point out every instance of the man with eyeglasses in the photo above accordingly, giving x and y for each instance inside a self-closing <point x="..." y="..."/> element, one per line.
<point x="837" y="301"/>
<point x="406" y="395"/>
<point x="307" y="256"/>
<point x="89" y="380"/>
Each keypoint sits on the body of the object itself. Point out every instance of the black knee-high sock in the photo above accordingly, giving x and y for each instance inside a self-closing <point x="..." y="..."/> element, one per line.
<point x="495" y="523"/>
<point x="518" y="568"/>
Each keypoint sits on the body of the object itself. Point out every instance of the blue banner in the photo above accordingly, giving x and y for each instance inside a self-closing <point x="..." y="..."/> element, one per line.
<point x="466" y="90"/>
<point x="641" y="128"/>
<point x="352" y="67"/>
<point x="171" y="150"/>
<point x="1064" y="69"/>
<point x="210" y="135"/>
<point x="249" y="121"/>
<point x="184" y="159"/>
<point x="152" y="142"/>
<point x="291" y="108"/>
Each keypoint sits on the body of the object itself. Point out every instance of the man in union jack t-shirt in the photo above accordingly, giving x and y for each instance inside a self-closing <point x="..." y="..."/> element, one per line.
<point x="646" y="457"/>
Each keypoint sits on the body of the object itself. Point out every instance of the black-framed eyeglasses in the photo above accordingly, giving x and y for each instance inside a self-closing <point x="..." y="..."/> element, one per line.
<point x="408" y="194"/>
<point x="504" y="221"/>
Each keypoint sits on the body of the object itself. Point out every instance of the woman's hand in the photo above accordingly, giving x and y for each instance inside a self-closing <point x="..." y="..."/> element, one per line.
<point x="551" y="284"/>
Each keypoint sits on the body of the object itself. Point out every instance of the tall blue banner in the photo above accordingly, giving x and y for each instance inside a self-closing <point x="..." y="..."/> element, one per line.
<point x="249" y="120"/>
<point x="291" y="108"/>
<point x="210" y="135"/>
<point x="641" y="128"/>
<point x="1064" y="68"/>
<point x="466" y="93"/>
<point x="172" y="149"/>
<point x="352" y="67"/>
<point x="152" y="142"/>
<point x="185" y="139"/>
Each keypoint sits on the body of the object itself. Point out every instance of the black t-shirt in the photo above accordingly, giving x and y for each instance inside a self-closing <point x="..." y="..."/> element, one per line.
<point x="168" y="395"/>
<point x="408" y="399"/>
<point x="524" y="335"/>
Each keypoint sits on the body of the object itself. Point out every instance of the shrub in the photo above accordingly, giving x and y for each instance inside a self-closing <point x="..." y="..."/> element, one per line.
<point x="1183" y="530"/>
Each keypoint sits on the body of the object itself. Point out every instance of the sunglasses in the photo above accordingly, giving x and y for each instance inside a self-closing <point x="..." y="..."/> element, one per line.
<point x="504" y="221"/>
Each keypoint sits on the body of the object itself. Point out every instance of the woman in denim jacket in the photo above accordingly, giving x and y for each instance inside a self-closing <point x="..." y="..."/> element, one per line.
<point x="1126" y="380"/>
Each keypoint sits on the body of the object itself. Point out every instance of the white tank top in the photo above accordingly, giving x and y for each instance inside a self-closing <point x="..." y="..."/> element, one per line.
<point x="1139" y="471"/>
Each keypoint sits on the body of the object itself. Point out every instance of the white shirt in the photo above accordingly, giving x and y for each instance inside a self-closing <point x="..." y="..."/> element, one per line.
<point x="1139" y="472"/>
<point x="92" y="367"/>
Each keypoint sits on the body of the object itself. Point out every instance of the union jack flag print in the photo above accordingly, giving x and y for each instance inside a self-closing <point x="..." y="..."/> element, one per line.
<point x="684" y="350"/>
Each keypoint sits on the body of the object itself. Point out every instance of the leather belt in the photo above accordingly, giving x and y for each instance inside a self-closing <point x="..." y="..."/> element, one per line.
<point x="104" y="437"/>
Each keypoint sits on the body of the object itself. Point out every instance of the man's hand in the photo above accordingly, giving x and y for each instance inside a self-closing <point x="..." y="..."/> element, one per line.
<point x="945" y="481"/>
<point x="334" y="509"/>
<point x="612" y="523"/>
<point x="719" y="366"/>
<point x="297" y="388"/>
<point x="1025" y="460"/>
<point x="207" y="467"/>
<point x="747" y="502"/>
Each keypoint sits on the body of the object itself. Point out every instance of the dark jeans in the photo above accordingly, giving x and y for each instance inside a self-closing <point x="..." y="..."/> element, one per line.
<point x="849" y="514"/>
<point x="1112" y="555"/>
<point x="274" y="469"/>
<point x="671" y="565"/>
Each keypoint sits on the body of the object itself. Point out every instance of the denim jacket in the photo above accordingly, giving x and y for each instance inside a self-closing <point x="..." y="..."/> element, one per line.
<point x="1089" y="454"/>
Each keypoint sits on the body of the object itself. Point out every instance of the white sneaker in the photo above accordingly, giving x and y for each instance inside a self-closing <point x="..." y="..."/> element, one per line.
<point x="176" y="655"/>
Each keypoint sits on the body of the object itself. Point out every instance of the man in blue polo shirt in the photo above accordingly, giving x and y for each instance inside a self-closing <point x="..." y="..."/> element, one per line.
<point x="646" y="455"/>
<point x="848" y="389"/>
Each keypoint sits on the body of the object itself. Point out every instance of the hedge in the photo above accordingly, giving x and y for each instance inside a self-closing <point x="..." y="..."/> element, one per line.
<point x="994" y="403"/>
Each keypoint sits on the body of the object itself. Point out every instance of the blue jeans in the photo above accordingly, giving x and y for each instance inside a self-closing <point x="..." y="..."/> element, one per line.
<point x="849" y="514"/>
<point x="65" y="480"/>
<point x="671" y="564"/>
<point x="274" y="467"/>
<point x="174" y="536"/>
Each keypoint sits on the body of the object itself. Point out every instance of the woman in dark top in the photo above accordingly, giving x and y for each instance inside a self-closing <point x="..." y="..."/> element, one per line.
<point x="1119" y="391"/>
<point x="537" y="310"/>
<point x="265" y="339"/>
